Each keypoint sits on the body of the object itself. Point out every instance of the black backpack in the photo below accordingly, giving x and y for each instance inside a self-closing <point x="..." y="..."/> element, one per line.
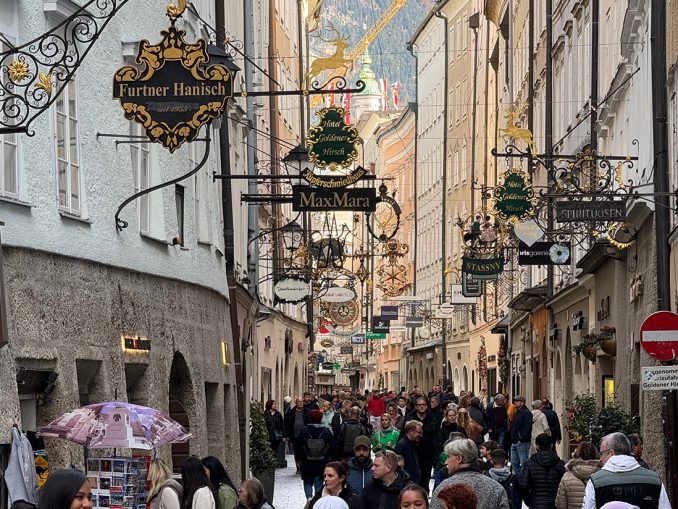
<point x="510" y="485"/>
<point x="315" y="449"/>
<point x="352" y="430"/>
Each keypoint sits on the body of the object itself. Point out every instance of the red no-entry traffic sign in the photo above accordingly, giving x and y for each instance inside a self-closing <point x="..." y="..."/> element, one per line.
<point x="659" y="335"/>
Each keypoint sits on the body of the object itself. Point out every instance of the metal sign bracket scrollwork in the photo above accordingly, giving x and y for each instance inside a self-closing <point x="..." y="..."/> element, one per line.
<point x="388" y="219"/>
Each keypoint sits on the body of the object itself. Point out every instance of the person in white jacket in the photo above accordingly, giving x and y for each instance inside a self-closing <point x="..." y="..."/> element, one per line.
<point x="623" y="479"/>
<point x="539" y="424"/>
<point x="198" y="492"/>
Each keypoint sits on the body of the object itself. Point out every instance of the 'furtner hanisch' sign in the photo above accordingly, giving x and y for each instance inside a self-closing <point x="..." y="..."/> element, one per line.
<point x="332" y="144"/>
<point x="306" y="198"/>
<point x="175" y="92"/>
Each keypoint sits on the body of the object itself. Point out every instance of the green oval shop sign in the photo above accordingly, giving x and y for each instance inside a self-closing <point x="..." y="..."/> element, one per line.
<point x="332" y="144"/>
<point x="514" y="198"/>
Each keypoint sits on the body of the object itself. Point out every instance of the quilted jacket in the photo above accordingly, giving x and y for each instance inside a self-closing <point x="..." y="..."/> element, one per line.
<point x="573" y="484"/>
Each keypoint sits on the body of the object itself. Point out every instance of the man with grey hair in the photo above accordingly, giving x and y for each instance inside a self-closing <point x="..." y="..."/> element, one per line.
<point x="462" y="455"/>
<point x="540" y="424"/>
<point x="622" y="479"/>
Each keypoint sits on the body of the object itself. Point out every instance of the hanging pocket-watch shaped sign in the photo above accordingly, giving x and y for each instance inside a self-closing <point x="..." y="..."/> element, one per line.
<point x="175" y="91"/>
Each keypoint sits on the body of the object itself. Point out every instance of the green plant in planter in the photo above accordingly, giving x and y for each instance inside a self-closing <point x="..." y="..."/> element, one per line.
<point x="590" y="340"/>
<point x="262" y="457"/>
<point x="609" y="419"/>
<point x="580" y="414"/>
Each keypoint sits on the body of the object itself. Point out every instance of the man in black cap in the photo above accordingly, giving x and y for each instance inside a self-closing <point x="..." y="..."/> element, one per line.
<point x="360" y="465"/>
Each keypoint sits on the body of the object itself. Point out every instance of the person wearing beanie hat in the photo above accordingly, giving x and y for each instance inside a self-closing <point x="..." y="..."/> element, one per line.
<point x="360" y="465"/>
<point x="317" y="442"/>
<point x="66" y="489"/>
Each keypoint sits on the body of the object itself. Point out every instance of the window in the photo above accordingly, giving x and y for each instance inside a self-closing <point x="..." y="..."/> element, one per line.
<point x="68" y="150"/>
<point x="456" y="167"/>
<point x="179" y="203"/>
<point x="463" y="162"/>
<point x="139" y="152"/>
<point x="9" y="143"/>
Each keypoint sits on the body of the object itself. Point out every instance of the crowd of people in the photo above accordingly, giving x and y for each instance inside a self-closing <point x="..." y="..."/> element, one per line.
<point x="205" y="484"/>
<point x="383" y="449"/>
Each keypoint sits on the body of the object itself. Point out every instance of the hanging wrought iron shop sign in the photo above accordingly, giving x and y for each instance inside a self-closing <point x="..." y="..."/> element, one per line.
<point x="175" y="91"/>
<point x="471" y="286"/>
<point x="581" y="211"/>
<point x="333" y="143"/>
<point x="483" y="268"/>
<point x="514" y="198"/>
<point x="308" y="199"/>
<point x="291" y="289"/>
<point x="544" y="253"/>
<point x="344" y="313"/>
<point x="334" y="181"/>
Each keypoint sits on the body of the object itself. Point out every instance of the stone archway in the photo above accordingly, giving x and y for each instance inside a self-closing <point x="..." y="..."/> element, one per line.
<point x="182" y="405"/>
<point x="456" y="381"/>
<point x="297" y="392"/>
<point x="465" y="377"/>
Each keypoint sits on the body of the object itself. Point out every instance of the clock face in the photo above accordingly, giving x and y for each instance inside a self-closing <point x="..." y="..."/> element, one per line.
<point x="424" y="332"/>
<point x="344" y="313"/>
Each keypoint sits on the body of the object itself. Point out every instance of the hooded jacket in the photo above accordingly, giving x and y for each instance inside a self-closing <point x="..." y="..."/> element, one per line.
<point x="490" y="493"/>
<point x="379" y="496"/>
<point x="540" y="479"/>
<point x="629" y="472"/>
<point x="510" y="484"/>
<point x="359" y="477"/>
<point x="573" y="484"/>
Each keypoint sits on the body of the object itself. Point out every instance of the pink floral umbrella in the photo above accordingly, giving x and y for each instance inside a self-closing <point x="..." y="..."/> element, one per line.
<point x="116" y="424"/>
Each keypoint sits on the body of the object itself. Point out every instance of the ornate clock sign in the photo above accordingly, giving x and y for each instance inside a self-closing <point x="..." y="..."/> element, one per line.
<point x="514" y="198"/>
<point x="175" y="91"/>
<point x="332" y="144"/>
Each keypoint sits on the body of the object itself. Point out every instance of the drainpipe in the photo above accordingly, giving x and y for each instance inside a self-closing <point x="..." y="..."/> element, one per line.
<point x="229" y="255"/>
<point x="415" y="107"/>
<point x="443" y="260"/>
<point x="661" y="187"/>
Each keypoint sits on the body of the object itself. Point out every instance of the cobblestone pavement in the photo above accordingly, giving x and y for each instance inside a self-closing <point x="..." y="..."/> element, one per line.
<point x="289" y="489"/>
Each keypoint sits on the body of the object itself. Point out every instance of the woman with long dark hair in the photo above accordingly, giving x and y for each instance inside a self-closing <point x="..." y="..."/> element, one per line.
<point x="66" y="489"/>
<point x="198" y="491"/>
<point x="227" y="494"/>
<point x="336" y="484"/>
<point x="276" y="428"/>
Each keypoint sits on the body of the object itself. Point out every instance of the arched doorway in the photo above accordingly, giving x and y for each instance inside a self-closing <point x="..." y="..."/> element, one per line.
<point x="465" y="378"/>
<point x="456" y="380"/>
<point x="296" y="381"/>
<point x="181" y="405"/>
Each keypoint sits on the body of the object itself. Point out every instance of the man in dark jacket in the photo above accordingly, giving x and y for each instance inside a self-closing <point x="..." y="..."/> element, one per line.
<point x="388" y="481"/>
<point x="349" y="431"/>
<point x="541" y="475"/>
<point x="408" y="447"/>
<point x="296" y="419"/>
<point x="360" y="465"/>
<point x="497" y="420"/>
<point x="316" y="443"/>
<point x="553" y="421"/>
<point x="521" y="435"/>
<point x="427" y="453"/>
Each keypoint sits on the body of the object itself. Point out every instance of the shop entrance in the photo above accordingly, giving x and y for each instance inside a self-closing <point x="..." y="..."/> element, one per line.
<point x="182" y="405"/>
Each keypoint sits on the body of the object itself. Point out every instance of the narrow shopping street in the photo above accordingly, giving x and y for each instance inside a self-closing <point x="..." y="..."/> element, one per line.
<point x="289" y="489"/>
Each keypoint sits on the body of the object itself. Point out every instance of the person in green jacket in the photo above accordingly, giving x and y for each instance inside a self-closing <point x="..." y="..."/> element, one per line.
<point x="223" y="486"/>
<point x="387" y="438"/>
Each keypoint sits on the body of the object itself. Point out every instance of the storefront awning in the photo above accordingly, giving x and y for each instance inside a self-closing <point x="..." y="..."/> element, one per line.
<point x="529" y="299"/>
<point x="424" y="346"/>
<point x="502" y="326"/>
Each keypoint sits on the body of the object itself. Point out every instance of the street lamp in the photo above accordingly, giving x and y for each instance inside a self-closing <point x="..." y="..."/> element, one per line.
<point x="297" y="159"/>
<point x="292" y="236"/>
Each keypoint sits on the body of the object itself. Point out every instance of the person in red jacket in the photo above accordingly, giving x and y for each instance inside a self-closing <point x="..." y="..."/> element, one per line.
<point x="376" y="406"/>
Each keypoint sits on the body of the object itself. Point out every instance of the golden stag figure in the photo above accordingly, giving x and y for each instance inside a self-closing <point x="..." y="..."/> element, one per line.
<point x="518" y="133"/>
<point x="333" y="62"/>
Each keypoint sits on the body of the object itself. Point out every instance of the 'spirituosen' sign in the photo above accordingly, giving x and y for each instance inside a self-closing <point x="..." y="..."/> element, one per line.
<point x="590" y="211"/>
<point x="175" y="92"/>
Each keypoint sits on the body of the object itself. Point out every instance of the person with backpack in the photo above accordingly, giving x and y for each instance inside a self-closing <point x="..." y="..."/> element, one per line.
<point x="501" y="473"/>
<point x="317" y="442"/>
<point x="350" y="430"/>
